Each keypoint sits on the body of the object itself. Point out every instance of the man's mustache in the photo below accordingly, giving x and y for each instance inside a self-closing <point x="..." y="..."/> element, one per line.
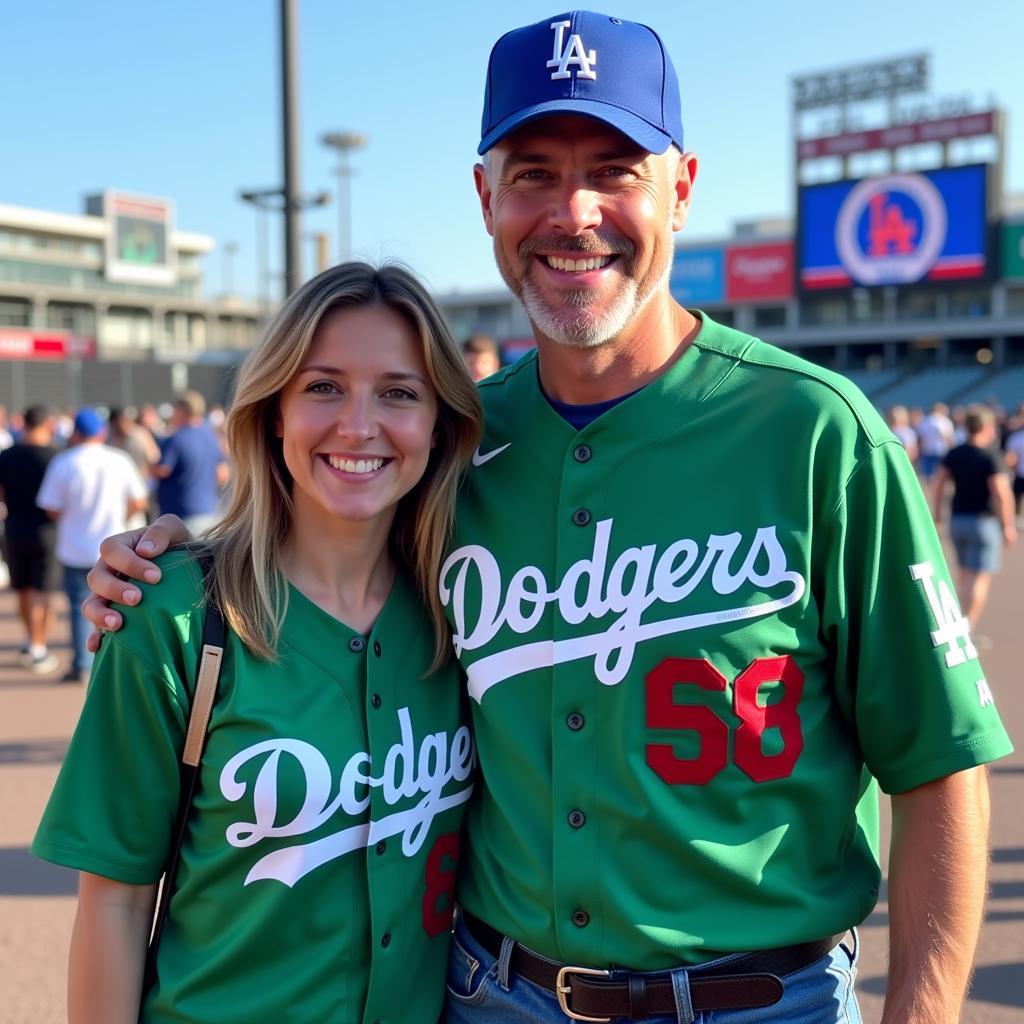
<point x="585" y="244"/>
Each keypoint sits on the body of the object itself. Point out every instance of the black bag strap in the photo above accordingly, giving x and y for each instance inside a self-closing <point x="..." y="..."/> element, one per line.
<point x="207" y="674"/>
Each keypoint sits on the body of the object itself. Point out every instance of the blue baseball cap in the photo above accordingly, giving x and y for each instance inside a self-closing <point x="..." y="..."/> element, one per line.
<point x="89" y="423"/>
<point x="583" y="63"/>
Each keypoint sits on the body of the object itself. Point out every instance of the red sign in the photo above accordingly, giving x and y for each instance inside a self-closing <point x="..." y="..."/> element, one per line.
<point x="964" y="127"/>
<point x="759" y="271"/>
<point x="24" y="343"/>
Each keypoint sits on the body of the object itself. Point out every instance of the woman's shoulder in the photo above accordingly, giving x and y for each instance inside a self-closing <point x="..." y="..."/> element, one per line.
<point x="174" y="602"/>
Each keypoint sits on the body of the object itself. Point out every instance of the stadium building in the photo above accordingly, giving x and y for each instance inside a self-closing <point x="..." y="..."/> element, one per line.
<point x="107" y="307"/>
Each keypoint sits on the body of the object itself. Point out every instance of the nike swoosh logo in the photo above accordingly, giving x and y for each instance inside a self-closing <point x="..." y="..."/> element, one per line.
<point x="479" y="460"/>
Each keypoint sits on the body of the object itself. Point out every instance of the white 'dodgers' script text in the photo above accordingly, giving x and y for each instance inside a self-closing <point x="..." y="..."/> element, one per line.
<point x="592" y="589"/>
<point x="407" y="772"/>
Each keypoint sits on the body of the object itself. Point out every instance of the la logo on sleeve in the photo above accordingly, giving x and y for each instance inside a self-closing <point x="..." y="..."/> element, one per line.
<point x="953" y="629"/>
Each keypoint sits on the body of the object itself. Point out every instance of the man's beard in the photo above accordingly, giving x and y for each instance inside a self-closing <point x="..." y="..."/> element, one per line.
<point x="574" y="322"/>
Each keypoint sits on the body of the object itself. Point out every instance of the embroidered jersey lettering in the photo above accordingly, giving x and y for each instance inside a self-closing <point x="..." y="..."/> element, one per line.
<point x="407" y="772"/>
<point x="637" y="580"/>
<point x="953" y="629"/>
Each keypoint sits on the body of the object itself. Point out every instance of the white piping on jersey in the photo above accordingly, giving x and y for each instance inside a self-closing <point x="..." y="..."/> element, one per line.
<point x="669" y="578"/>
<point x="480" y="460"/>
<point x="407" y="772"/>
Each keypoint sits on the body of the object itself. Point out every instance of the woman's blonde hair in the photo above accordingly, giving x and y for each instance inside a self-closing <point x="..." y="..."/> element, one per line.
<point x="247" y="580"/>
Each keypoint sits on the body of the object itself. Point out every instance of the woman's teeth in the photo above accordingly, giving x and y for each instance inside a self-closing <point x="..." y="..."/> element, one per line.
<point x="590" y="263"/>
<point x="355" y="465"/>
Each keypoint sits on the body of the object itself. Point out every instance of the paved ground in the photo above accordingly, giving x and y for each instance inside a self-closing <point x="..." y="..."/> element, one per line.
<point x="37" y="900"/>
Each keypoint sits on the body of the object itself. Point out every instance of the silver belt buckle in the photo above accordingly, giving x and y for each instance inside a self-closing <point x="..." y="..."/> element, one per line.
<point x="563" y="991"/>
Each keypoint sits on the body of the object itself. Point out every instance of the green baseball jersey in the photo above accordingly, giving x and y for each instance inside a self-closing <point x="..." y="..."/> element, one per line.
<point x="695" y="633"/>
<point x="316" y="882"/>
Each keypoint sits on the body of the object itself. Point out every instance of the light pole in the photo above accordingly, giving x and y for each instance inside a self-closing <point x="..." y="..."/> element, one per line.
<point x="265" y="200"/>
<point x="292" y="203"/>
<point x="344" y="143"/>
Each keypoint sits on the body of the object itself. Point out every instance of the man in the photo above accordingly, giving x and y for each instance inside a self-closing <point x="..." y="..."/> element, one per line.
<point x="982" y="512"/>
<point x="90" y="490"/>
<point x="480" y="352"/>
<point x="30" y="535"/>
<point x="192" y="470"/>
<point x="935" y="438"/>
<point x="679" y="644"/>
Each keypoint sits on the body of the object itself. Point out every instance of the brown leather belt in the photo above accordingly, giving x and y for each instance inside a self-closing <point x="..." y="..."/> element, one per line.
<point x="748" y="980"/>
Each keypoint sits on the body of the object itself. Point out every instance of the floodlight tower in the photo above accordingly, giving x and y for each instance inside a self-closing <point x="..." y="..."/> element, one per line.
<point x="344" y="143"/>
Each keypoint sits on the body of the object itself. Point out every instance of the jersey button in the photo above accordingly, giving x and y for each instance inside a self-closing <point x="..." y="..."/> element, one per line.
<point x="376" y="647"/>
<point x="381" y="847"/>
<point x="357" y="644"/>
<point x="582" y="453"/>
<point x="577" y="819"/>
<point x="385" y="939"/>
<point x="575" y="721"/>
<point x="375" y="700"/>
<point x="580" y="918"/>
<point x="581" y="517"/>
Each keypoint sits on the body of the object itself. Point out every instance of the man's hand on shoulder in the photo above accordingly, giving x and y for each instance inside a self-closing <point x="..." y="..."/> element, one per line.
<point x="124" y="559"/>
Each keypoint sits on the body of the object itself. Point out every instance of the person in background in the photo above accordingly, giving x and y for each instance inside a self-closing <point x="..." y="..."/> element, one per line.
<point x="192" y="470"/>
<point x="934" y="439"/>
<point x="150" y="419"/>
<point x="981" y="516"/>
<point x="90" y="490"/>
<point x="30" y="535"/>
<point x="6" y="437"/>
<point x="480" y="352"/>
<point x="899" y="423"/>
<point x="138" y="444"/>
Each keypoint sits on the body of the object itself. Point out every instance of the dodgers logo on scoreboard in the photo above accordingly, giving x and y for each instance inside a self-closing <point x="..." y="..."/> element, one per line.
<point x="891" y="230"/>
<point x="894" y="230"/>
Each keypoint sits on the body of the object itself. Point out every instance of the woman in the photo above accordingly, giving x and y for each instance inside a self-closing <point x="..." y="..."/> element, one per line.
<point x="315" y="882"/>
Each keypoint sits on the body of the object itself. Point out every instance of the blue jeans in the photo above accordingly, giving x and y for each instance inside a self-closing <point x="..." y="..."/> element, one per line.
<point x="978" y="541"/>
<point x="78" y="590"/>
<point x="481" y="991"/>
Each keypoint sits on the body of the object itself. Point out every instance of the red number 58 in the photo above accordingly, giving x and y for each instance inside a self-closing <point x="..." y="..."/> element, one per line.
<point x="748" y="755"/>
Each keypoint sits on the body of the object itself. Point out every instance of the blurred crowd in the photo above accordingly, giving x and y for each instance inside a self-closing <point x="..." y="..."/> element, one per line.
<point x="971" y="464"/>
<point x="70" y="478"/>
<point x="929" y="436"/>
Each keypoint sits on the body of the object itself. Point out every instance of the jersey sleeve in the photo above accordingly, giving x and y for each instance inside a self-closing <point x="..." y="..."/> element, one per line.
<point x="907" y="674"/>
<point x="113" y="806"/>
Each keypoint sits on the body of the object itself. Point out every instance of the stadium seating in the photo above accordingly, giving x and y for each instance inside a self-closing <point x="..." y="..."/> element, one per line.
<point x="939" y="384"/>
<point x="871" y="382"/>
<point x="1006" y="389"/>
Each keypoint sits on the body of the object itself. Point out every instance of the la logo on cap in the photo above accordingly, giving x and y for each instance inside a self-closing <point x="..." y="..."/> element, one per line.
<point x="574" y="53"/>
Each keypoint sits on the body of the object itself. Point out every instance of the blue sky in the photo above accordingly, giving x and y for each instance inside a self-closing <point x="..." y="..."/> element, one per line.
<point x="182" y="100"/>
